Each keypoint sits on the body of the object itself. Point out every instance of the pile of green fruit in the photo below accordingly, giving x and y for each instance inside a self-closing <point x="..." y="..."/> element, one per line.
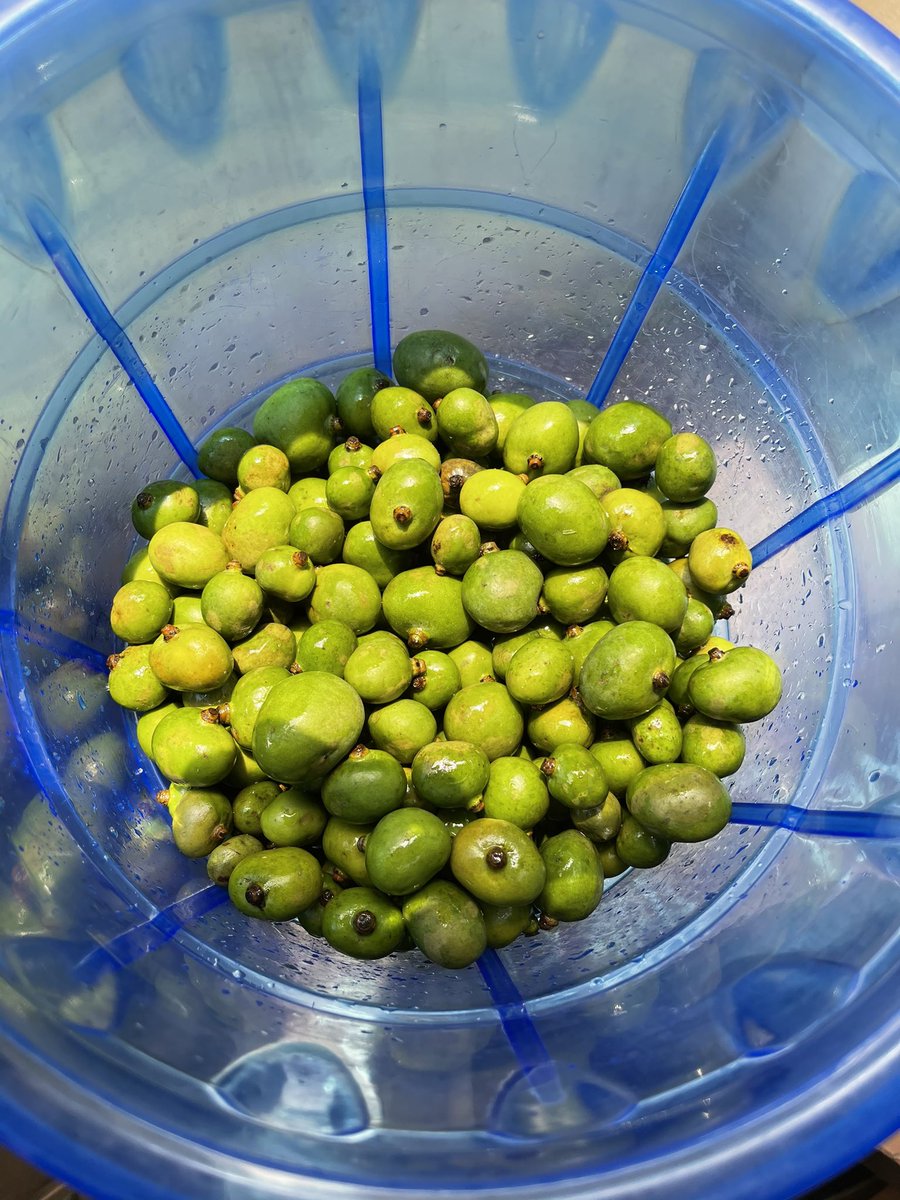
<point x="424" y="664"/>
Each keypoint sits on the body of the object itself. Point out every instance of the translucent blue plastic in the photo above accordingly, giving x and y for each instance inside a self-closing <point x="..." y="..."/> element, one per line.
<point x="695" y="202"/>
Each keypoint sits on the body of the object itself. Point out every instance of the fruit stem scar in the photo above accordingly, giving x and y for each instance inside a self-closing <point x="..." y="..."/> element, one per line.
<point x="255" y="896"/>
<point x="496" y="858"/>
<point x="364" y="922"/>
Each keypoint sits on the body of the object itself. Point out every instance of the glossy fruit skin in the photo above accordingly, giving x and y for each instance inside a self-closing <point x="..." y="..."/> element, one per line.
<point x="250" y="803"/>
<point x="516" y="792"/>
<point x="220" y="453"/>
<point x="297" y="418"/>
<point x="743" y="684"/>
<point x="491" y="498"/>
<point x="132" y="682"/>
<point x="263" y="466"/>
<point x="620" y="760"/>
<point x="542" y="440"/>
<point x="275" y="885"/>
<point x="720" y="560"/>
<point x="231" y="603"/>
<point x="344" y="844"/>
<point x="575" y="595"/>
<point x="679" y="802"/>
<point x="602" y="823"/>
<point x="497" y="862"/>
<point x="636" y="846"/>
<point x="362" y="549"/>
<point x="201" y="820"/>
<point x="407" y="504"/>
<point x="575" y="778"/>
<point x="190" y="747"/>
<point x="319" y="532"/>
<point x="426" y="609"/>
<point x="286" y="573"/>
<point x="657" y="734"/>
<point x="456" y="544"/>
<point x="191" y="658"/>
<point x="565" y="722"/>
<point x="353" y="400"/>
<point x="365" y="787"/>
<point x="306" y="725"/>
<point x="326" y="646"/>
<point x="450" y="775"/>
<point x="486" y="715"/>
<point x="406" y="849"/>
<point x="685" y="467"/>
<point x="563" y="520"/>
<point x="402" y="729"/>
<point x="628" y="671"/>
<point x="501" y="591"/>
<point x="270" y="645"/>
<point x="636" y="521"/>
<point x="247" y="699"/>
<point x="139" y="611"/>
<point x="467" y="424"/>
<point x="160" y="504"/>
<point x="719" y="746"/>
<point x="226" y="855"/>
<point x="434" y="361"/>
<point x="261" y="520"/>
<point x="574" y="877"/>
<point x="293" y="818"/>
<point x="348" y="594"/>
<point x="363" y="923"/>
<point x="438" y="682"/>
<point x="644" y="589"/>
<point x="540" y="672"/>
<point x="446" y="924"/>
<point x="186" y="554"/>
<point x="626" y="438"/>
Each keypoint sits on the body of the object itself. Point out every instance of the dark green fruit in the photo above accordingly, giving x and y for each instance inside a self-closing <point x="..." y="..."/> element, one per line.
<point x="627" y="672"/>
<point x="501" y="591"/>
<point x="215" y="504"/>
<point x="293" y="818"/>
<point x="326" y="646"/>
<point x="636" y="846"/>
<point x="139" y="611"/>
<point x="318" y="532"/>
<point x="609" y="860"/>
<point x="426" y="609"/>
<point x="743" y="684"/>
<point x="435" y="361"/>
<point x="620" y="760"/>
<point x="486" y="715"/>
<point x="201" y="820"/>
<point x="516" y="792"/>
<point x="362" y="923"/>
<point x="298" y="418"/>
<point x="365" y="787"/>
<point x="601" y="823"/>
<point x="220" y="453"/>
<point x="250" y="803"/>
<point x="627" y="438"/>
<point x="345" y="844"/>
<point x="505" y="922"/>
<point x="695" y="628"/>
<point x="451" y="774"/>
<point x="275" y="885"/>
<point x="232" y="603"/>
<point x="191" y="658"/>
<point x="348" y="594"/>
<point x="132" y="681"/>
<point x="187" y="555"/>
<point x="225" y="857"/>
<point x="446" y="924"/>
<point x="312" y="917"/>
<point x="306" y="725"/>
<point x="679" y="802"/>
<point x="574" y="877"/>
<point x="497" y="862"/>
<point x="189" y="746"/>
<point x="563" y="519"/>
<point x="406" y="849"/>
<point x="159" y="504"/>
<point x="354" y="401"/>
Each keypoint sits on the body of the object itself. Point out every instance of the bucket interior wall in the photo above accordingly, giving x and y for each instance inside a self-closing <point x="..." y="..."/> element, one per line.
<point x="201" y="162"/>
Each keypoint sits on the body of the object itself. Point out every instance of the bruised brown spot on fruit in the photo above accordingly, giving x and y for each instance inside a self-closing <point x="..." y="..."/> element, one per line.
<point x="364" y="922"/>
<point x="168" y="632"/>
<point x="496" y="858"/>
<point x="300" y="559"/>
<point x="143" y="500"/>
<point x="660" y="681"/>
<point x="255" y="896"/>
<point x="402" y="514"/>
<point x="535" y="462"/>
<point x="548" y="766"/>
<point x="113" y="661"/>
<point x="729" y="539"/>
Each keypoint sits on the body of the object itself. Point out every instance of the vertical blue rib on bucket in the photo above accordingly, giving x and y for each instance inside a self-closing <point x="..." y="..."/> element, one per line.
<point x="371" y="154"/>
<point x="878" y="477"/>
<point x="53" y="238"/>
<point x="684" y="214"/>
